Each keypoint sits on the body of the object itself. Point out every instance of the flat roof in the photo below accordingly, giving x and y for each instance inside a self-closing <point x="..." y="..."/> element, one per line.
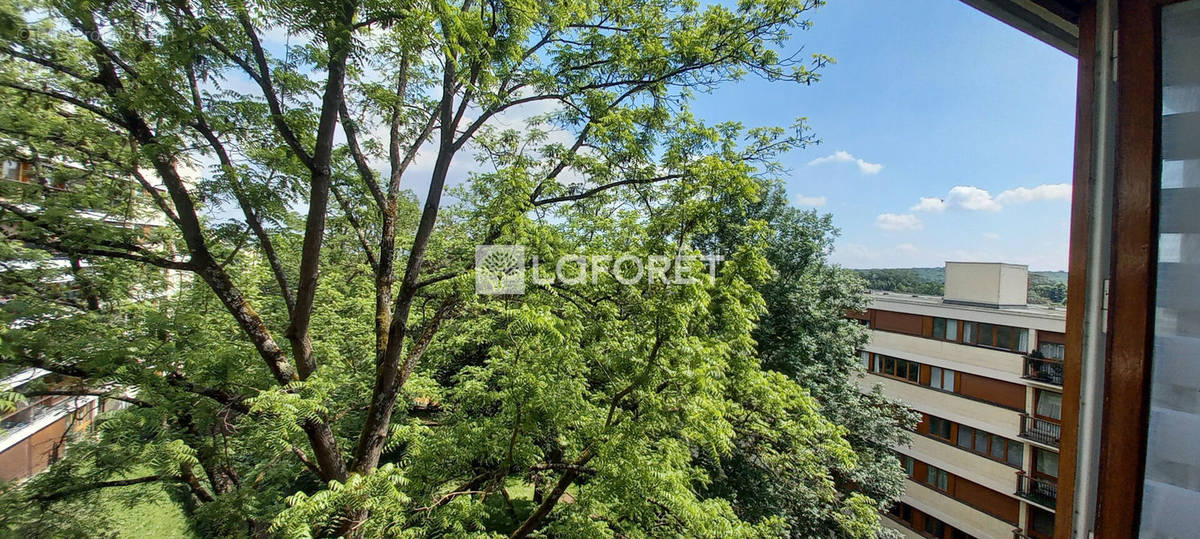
<point x="1040" y="311"/>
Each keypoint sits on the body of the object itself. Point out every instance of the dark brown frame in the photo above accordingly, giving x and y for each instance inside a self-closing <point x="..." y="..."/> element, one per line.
<point x="1133" y="273"/>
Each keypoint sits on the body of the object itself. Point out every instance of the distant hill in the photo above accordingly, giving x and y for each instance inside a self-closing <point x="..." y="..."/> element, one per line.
<point x="1045" y="287"/>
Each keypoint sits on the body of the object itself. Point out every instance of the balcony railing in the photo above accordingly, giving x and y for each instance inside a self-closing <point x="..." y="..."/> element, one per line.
<point x="1041" y="430"/>
<point x="1043" y="369"/>
<point x="1039" y="490"/>
<point x="32" y="413"/>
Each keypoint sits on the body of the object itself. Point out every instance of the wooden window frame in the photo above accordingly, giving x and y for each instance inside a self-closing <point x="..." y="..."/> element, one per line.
<point x="1133" y="280"/>
<point x="949" y="479"/>
<point x="928" y="382"/>
<point x="1037" y="397"/>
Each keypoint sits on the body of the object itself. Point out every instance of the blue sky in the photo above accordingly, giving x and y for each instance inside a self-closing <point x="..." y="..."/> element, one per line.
<point x="930" y="99"/>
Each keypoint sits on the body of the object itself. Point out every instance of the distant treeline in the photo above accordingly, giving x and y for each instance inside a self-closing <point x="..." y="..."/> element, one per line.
<point x="1045" y="287"/>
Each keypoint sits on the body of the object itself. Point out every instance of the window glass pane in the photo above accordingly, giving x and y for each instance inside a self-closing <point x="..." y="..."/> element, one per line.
<point x="998" y="446"/>
<point x="965" y="435"/>
<point x="951" y="330"/>
<point x="1049" y="404"/>
<point x="935" y="377"/>
<point x="1022" y="340"/>
<point x="939" y="328"/>
<point x="969" y="332"/>
<point x="1016" y="452"/>
<point x="1052" y="350"/>
<point x="943" y="480"/>
<point x="1004" y="337"/>
<point x="1047" y="463"/>
<point x="12" y="170"/>
<point x="981" y="442"/>
<point x="948" y="380"/>
<point x="866" y="359"/>
<point x="988" y="334"/>
<point x="935" y="527"/>
<point x="889" y="365"/>
<point x="1041" y="522"/>
<point x="914" y="371"/>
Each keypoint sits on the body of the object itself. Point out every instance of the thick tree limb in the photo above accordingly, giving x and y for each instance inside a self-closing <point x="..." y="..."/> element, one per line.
<point x="264" y="80"/>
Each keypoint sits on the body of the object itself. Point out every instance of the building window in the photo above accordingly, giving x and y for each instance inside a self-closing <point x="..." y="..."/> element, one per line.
<point x="1047" y="463"/>
<point x="909" y="465"/>
<point x="942" y="379"/>
<point x="900" y="368"/>
<point x="939" y="427"/>
<point x="866" y="359"/>
<point x="937" y="478"/>
<point x="1041" y="522"/>
<point x="1052" y="350"/>
<point x="996" y="336"/>
<point x="991" y="446"/>
<point x="965" y="436"/>
<point x="1049" y="404"/>
<point x="1016" y="453"/>
<point x="945" y="328"/>
<point x="935" y="527"/>
<point x="12" y="171"/>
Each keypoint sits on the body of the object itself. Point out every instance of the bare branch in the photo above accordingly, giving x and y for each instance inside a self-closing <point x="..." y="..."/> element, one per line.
<point x="605" y="187"/>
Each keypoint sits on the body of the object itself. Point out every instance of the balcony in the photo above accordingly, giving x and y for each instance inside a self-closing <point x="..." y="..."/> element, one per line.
<point x="1041" y="430"/>
<point x="31" y="414"/>
<point x="1045" y="370"/>
<point x="1039" y="490"/>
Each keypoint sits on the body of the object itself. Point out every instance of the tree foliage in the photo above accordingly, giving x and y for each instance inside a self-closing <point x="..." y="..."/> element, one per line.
<point x="248" y="266"/>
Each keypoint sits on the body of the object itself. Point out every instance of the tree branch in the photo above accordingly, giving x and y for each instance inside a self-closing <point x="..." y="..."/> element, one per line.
<point x="80" y="489"/>
<point x="605" y="187"/>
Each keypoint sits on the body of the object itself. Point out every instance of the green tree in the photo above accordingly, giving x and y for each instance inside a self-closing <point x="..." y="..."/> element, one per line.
<point x="805" y="335"/>
<point x="904" y="281"/>
<point x="398" y="402"/>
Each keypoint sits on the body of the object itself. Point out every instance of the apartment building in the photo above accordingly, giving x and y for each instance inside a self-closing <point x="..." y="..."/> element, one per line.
<point x="34" y="434"/>
<point x="984" y="370"/>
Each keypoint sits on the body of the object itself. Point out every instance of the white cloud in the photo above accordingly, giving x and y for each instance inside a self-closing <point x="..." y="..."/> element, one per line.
<point x="898" y="221"/>
<point x="868" y="168"/>
<point x="971" y="198"/>
<point x="814" y="202"/>
<point x="963" y="197"/>
<point x="991" y="235"/>
<point x="842" y="156"/>
<point x="1049" y="191"/>
<point x="907" y="248"/>
<point x="929" y="204"/>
